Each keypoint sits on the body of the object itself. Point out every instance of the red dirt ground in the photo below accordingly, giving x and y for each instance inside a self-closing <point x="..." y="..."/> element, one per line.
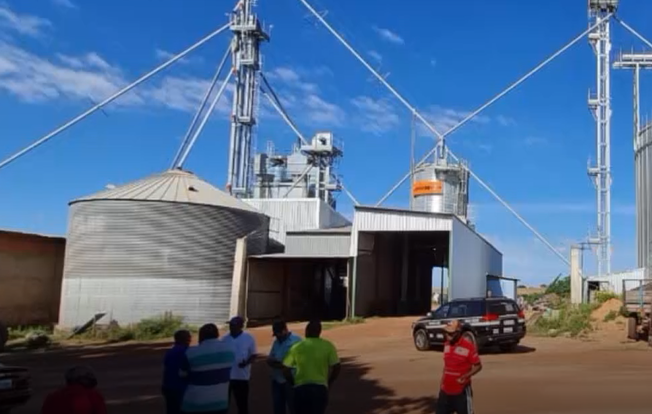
<point x="383" y="373"/>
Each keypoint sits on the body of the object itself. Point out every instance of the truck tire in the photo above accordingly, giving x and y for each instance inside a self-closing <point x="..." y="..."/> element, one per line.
<point x="632" y="334"/>
<point x="421" y="341"/>
<point x="4" y="336"/>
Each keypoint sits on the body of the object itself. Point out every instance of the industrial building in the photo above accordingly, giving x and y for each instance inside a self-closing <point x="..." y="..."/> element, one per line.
<point x="31" y="269"/>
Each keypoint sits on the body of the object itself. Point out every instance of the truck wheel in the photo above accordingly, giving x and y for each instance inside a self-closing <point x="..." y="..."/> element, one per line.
<point x="4" y="336"/>
<point x="421" y="341"/>
<point x="631" y="328"/>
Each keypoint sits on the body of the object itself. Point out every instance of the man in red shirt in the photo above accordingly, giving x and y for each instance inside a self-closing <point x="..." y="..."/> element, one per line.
<point x="79" y="396"/>
<point x="461" y="362"/>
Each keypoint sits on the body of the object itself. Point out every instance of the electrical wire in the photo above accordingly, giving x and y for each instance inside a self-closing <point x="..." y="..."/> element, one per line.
<point x="193" y="123"/>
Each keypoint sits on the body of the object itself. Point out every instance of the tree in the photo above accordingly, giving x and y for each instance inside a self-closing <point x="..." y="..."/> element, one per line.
<point x="560" y="286"/>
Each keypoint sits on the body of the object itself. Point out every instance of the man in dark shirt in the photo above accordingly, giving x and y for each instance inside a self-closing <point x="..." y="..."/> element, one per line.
<point x="174" y="385"/>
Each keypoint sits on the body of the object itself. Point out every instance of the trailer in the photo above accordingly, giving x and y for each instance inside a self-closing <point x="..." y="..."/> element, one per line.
<point x="637" y="302"/>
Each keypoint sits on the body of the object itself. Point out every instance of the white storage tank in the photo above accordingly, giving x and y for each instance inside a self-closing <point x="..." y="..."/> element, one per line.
<point x="643" y="169"/>
<point x="441" y="187"/>
<point x="165" y="243"/>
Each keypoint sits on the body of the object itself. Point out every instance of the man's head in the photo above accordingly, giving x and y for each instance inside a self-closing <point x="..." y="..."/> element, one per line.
<point x="280" y="330"/>
<point x="313" y="329"/>
<point x="81" y="375"/>
<point x="208" y="331"/>
<point x="453" y="330"/>
<point x="236" y="325"/>
<point x="182" y="337"/>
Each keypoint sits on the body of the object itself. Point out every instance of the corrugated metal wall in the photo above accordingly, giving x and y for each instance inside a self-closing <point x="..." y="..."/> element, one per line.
<point x="138" y="259"/>
<point x="395" y="220"/>
<point x="318" y="245"/>
<point x="296" y="215"/>
<point x="471" y="260"/>
<point x="643" y="171"/>
<point x="614" y="281"/>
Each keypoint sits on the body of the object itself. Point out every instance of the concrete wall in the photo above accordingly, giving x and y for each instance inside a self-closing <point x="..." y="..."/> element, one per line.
<point x="31" y="270"/>
<point x="471" y="260"/>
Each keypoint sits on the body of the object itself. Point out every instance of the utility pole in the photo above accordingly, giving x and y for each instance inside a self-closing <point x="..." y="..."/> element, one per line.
<point x="248" y="33"/>
<point x="600" y="106"/>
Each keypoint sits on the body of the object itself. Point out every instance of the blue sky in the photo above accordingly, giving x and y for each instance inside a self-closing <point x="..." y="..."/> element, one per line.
<point x="446" y="57"/>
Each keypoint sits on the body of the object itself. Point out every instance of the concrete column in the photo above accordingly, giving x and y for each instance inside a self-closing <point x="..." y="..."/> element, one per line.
<point x="576" y="275"/>
<point x="239" y="284"/>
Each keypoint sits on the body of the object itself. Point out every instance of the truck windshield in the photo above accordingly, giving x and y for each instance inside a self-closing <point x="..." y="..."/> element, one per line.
<point x="502" y="307"/>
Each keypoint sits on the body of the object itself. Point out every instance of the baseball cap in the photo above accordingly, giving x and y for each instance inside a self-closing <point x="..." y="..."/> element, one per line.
<point x="236" y="320"/>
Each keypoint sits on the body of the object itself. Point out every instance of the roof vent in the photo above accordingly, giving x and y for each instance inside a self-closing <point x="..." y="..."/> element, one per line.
<point x="193" y="189"/>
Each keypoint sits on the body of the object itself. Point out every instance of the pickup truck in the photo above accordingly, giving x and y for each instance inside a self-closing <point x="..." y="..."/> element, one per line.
<point x="15" y="387"/>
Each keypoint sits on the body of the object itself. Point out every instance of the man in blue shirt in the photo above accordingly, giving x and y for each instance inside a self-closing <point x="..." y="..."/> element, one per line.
<point x="281" y="389"/>
<point x="174" y="385"/>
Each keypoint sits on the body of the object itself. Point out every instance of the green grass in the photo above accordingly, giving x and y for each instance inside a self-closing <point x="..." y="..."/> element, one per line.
<point x="611" y="316"/>
<point x="602" y="297"/>
<point x="21" y="332"/>
<point x="149" y="329"/>
<point x="573" y="320"/>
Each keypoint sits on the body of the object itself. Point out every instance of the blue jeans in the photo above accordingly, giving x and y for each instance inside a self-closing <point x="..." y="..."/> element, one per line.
<point x="282" y="397"/>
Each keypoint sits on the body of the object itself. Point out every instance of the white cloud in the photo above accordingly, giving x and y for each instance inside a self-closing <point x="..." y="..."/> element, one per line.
<point x="291" y="78"/>
<point x="65" y="3"/>
<point x="22" y="23"/>
<point x="319" y="111"/>
<point x="443" y="119"/>
<point x="375" y="55"/>
<point x="164" y="55"/>
<point x="505" y="120"/>
<point x="302" y="98"/>
<point x="33" y="79"/>
<point x="376" y="115"/>
<point x="389" y="36"/>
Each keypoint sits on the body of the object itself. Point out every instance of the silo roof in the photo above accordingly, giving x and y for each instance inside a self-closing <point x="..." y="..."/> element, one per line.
<point x="175" y="186"/>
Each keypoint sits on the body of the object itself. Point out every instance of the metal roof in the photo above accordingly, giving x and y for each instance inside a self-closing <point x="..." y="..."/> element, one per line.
<point x="175" y="186"/>
<point x="286" y="256"/>
<point x="334" y="230"/>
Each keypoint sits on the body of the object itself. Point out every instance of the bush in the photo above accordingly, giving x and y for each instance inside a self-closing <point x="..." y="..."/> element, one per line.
<point x="531" y="298"/>
<point x="573" y="319"/>
<point x="611" y="316"/>
<point x="603" y="296"/>
<point x="560" y="286"/>
<point x="21" y="332"/>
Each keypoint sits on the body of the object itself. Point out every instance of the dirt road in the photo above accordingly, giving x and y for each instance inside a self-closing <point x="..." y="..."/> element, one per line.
<point x="384" y="374"/>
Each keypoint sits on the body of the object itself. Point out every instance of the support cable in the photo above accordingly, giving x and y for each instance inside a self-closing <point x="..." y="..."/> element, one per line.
<point x="489" y="103"/>
<point x="191" y="128"/>
<point x="276" y="104"/>
<point x="110" y="99"/>
<point x="440" y="136"/>
<point x="634" y="32"/>
<point x="207" y="115"/>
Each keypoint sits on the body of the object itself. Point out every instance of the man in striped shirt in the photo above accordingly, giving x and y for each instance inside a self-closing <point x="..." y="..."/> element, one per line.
<point x="208" y="366"/>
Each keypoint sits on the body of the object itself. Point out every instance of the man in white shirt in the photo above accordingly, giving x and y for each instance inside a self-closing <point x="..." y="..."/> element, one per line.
<point x="244" y="347"/>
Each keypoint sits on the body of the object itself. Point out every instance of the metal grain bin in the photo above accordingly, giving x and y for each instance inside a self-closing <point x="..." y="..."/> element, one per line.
<point x="643" y="169"/>
<point x="164" y="243"/>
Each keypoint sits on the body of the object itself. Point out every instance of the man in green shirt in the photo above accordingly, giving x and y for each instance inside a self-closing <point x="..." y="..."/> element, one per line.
<point x="316" y="366"/>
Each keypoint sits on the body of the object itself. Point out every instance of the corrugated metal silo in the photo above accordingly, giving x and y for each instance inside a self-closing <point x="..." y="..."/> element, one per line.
<point x="643" y="169"/>
<point x="441" y="188"/>
<point x="164" y="243"/>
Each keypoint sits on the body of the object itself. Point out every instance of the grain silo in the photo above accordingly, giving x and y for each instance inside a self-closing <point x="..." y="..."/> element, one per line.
<point x="163" y="243"/>
<point x="441" y="187"/>
<point x="643" y="169"/>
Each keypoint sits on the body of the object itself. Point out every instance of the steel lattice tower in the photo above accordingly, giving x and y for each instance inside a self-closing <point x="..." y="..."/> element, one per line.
<point x="247" y="36"/>
<point x="600" y="106"/>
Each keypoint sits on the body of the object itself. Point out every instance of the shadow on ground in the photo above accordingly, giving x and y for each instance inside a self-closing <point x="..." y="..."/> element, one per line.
<point x="129" y="377"/>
